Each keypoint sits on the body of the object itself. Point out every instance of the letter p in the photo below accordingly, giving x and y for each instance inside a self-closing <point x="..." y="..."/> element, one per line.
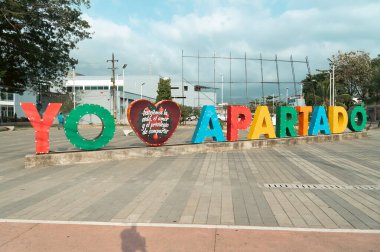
<point x="234" y="123"/>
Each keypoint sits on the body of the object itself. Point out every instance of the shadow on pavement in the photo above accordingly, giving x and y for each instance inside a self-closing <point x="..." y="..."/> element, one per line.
<point x="131" y="240"/>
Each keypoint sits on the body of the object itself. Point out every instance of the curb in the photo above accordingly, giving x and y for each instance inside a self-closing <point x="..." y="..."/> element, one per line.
<point x="81" y="157"/>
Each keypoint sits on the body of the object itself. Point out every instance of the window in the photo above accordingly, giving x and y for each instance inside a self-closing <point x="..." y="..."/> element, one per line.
<point x="10" y="111"/>
<point x="78" y="88"/>
<point x="94" y="88"/>
<point x="10" y="97"/>
<point x="69" y="89"/>
<point x="4" y="96"/>
<point x="3" y="111"/>
<point x="87" y="88"/>
<point x="106" y="87"/>
<point x="121" y="89"/>
<point x="7" y="111"/>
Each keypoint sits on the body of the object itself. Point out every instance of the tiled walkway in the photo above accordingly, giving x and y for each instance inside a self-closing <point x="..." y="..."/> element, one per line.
<point x="278" y="187"/>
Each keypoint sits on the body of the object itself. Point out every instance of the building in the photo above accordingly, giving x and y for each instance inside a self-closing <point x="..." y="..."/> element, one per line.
<point x="195" y="96"/>
<point x="98" y="90"/>
<point x="10" y="105"/>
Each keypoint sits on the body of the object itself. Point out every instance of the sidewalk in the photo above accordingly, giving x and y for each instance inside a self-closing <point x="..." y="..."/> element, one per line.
<point x="320" y="187"/>
<point x="32" y="237"/>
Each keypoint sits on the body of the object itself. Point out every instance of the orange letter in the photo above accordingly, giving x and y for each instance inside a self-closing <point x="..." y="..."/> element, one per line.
<point x="303" y="119"/>
<point x="262" y="124"/>
<point x="41" y="126"/>
<point x="338" y="119"/>
<point x="233" y="122"/>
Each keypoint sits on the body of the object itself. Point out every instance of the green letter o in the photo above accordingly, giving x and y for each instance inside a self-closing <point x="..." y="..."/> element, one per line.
<point x="360" y="113"/>
<point x="72" y="121"/>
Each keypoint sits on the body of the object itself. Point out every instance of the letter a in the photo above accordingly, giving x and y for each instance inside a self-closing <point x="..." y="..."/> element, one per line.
<point x="319" y="122"/>
<point x="262" y="124"/>
<point x="208" y="126"/>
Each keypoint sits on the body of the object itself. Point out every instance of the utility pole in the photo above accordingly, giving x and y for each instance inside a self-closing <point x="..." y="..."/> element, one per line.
<point x="113" y="84"/>
<point x="222" y="88"/>
<point x="124" y="103"/>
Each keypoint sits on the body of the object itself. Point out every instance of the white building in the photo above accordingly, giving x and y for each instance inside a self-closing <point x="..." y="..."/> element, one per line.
<point x="98" y="90"/>
<point x="10" y="104"/>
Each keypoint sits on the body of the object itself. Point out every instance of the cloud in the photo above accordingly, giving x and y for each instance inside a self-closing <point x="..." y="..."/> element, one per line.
<point x="267" y="27"/>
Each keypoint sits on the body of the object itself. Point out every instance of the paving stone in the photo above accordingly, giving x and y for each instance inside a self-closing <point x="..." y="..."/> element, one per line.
<point x="210" y="188"/>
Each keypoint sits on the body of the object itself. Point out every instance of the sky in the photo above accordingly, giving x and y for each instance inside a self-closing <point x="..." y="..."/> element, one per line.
<point x="150" y="36"/>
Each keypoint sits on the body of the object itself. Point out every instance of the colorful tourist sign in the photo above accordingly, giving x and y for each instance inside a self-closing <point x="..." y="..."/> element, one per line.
<point x="154" y="124"/>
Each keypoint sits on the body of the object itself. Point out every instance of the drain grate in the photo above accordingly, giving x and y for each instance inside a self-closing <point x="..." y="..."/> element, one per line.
<point x="320" y="186"/>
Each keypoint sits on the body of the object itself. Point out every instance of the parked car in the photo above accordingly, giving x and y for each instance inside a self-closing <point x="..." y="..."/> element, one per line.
<point x="191" y="118"/>
<point x="222" y="117"/>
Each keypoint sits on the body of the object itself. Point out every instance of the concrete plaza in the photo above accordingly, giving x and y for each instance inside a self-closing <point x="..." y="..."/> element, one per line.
<point x="331" y="186"/>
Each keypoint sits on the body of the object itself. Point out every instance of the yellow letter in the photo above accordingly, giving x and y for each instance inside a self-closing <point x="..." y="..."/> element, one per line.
<point x="338" y="119"/>
<point x="262" y="124"/>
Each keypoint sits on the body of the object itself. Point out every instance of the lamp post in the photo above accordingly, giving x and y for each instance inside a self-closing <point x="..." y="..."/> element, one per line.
<point x="74" y="86"/>
<point x="333" y="84"/>
<point x="124" y="103"/>
<point x="222" y="89"/>
<point x="332" y="81"/>
<point x="287" y="94"/>
<point x="330" y="88"/>
<point x="141" y="94"/>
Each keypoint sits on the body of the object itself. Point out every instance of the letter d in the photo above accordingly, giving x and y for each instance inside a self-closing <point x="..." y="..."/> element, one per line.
<point x="338" y="119"/>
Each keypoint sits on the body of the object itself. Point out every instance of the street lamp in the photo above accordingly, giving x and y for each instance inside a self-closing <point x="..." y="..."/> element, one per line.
<point x="333" y="84"/>
<point x="332" y="80"/>
<point x="124" y="104"/>
<point x="222" y="87"/>
<point x="331" y="87"/>
<point x="287" y="94"/>
<point x="74" y="85"/>
<point x="141" y="94"/>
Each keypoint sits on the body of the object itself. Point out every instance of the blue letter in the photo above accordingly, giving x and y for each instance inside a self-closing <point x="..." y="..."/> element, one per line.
<point x="319" y="122"/>
<point x="208" y="126"/>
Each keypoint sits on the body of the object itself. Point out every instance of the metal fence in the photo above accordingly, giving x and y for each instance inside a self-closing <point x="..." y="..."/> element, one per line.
<point x="229" y="61"/>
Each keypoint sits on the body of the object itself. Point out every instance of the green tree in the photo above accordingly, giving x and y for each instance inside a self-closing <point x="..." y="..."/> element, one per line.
<point x="164" y="89"/>
<point x="316" y="91"/>
<point x="354" y="71"/>
<point x="36" y="37"/>
<point x="374" y="89"/>
<point x="186" y="111"/>
<point x="196" y="112"/>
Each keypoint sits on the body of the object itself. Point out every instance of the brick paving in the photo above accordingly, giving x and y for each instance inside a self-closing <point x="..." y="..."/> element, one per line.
<point x="215" y="188"/>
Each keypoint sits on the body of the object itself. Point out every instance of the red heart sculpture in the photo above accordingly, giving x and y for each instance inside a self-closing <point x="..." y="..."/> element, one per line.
<point x="154" y="124"/>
